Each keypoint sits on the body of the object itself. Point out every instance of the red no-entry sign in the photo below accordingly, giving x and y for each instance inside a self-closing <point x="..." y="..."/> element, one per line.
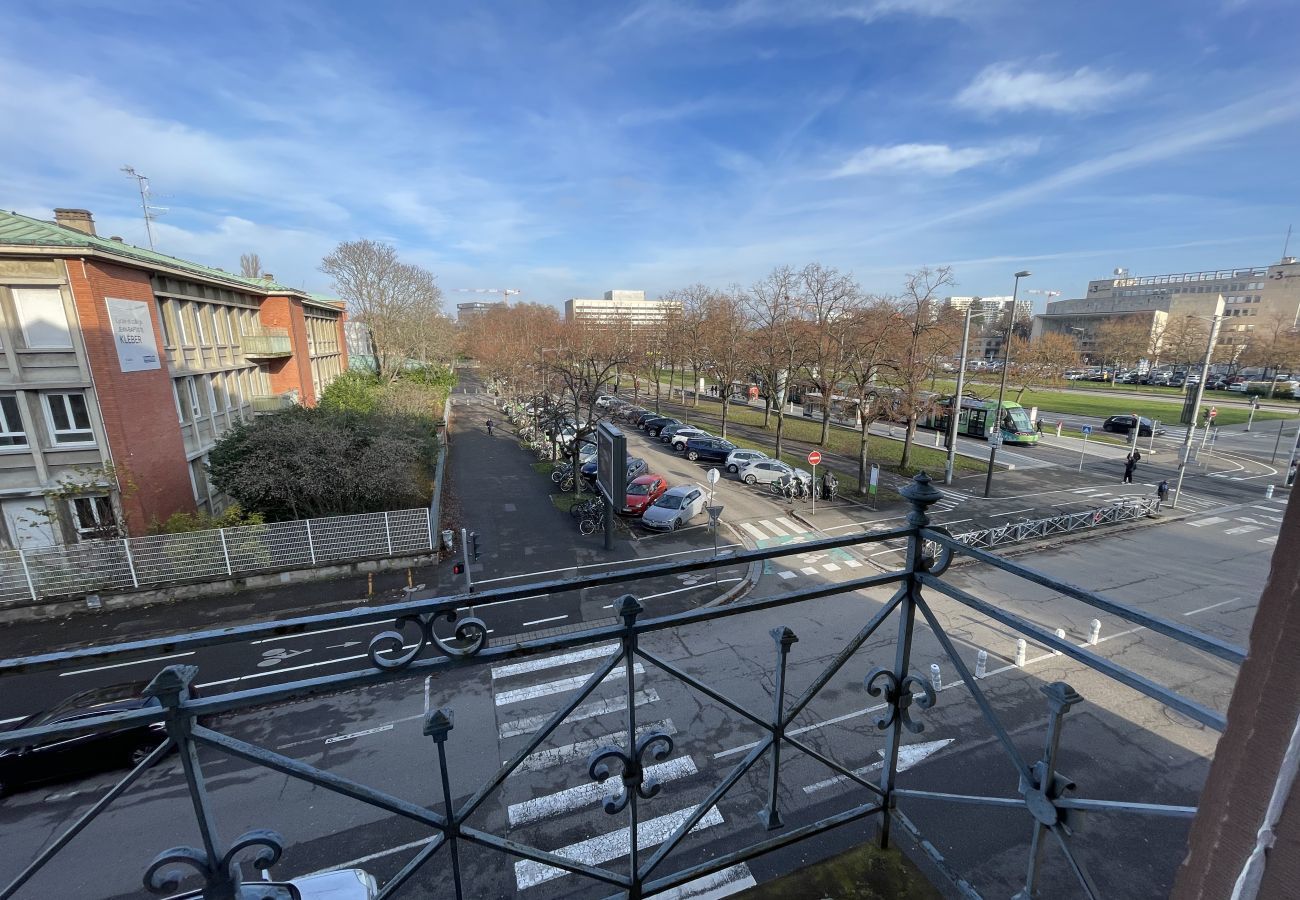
<point x="814" y="458"/>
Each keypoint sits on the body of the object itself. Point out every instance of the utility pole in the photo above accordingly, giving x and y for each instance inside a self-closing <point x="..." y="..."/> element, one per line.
<point x="995" y="436"/>
<point x="1200" y="395"/>
<point x="955" y="413"/>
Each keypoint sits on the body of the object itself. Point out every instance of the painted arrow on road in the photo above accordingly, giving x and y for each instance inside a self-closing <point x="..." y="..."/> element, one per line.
<point x="908" y="755"/>
<point x="342" y="646"/>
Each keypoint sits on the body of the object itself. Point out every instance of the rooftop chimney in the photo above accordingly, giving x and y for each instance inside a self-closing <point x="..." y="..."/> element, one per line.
<point x="76" y="219"/>
<point x="118" y="238"/>
<point x="267" y="276"/>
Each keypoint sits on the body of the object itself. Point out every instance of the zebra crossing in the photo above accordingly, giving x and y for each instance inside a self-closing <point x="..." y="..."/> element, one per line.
<point x="951" y="500"/>
<point x="1259" y="517"/>
<point x="1186" y="501"/>
<point x="779" y="531"/>
<point x="518" y="690"/>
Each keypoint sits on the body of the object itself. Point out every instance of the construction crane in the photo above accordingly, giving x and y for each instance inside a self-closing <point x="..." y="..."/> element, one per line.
<point x="1048" y="294"/>
<point x="504" y="292"/>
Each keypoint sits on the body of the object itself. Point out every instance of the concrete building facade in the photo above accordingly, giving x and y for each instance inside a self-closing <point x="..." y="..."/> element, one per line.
<point x="122" y="367"/>
<point x="988" y="320"/>
<point x="1254" y="297"/>
<point x="468" y="312"/>
<point x="621" y="307"/>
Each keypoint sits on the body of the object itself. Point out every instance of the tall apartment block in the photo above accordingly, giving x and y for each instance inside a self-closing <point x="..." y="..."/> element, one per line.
<point x="122" y="367"/>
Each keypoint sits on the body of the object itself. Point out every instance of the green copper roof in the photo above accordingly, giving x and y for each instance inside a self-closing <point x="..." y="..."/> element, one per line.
<point x="17" y="230"/>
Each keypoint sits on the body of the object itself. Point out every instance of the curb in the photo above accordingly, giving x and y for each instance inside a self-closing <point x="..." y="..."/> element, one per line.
<point x="746" y="584"/>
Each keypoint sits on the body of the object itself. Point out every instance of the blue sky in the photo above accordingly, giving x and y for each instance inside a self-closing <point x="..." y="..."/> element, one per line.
<point x="566" y="148"/>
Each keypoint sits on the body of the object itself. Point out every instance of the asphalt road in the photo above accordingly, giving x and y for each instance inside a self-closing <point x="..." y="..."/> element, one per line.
<point x="1118" y="744"/>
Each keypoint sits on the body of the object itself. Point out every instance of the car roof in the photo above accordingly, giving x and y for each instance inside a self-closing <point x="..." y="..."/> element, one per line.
<point x="109" y="698"/>
<point x="681" y="489"/>
<point x="646" y="479"/>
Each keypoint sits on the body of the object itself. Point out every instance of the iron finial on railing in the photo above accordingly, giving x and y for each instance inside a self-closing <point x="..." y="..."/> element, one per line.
<point x="898" y="696"/>
<point x="220" y="879"/>
<point x="628" y="608"/>
<point x="922" y="494"/>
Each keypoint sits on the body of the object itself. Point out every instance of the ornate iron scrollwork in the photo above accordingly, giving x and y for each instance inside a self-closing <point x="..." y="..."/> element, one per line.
<point x="935" y="557"/>
<point x="899" y="697"/>
<point x="659" y="745"/>
<point x="471" y="630"/>
<point x="161" y="880"/>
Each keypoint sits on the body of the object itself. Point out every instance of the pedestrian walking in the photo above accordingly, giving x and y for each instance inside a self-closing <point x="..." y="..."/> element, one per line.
<point x="1162" y="492"/>
<point x="1290" y="476"/>
<point x="1038" y="426"/>
<point x="489" y="427"/>
<point x="1129" y="465"/>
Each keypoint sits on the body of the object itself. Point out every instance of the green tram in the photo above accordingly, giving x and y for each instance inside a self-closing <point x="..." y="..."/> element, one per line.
<point x="975" y="420"/>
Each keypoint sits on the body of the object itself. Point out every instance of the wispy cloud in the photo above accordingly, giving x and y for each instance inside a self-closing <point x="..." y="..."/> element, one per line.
<point x="662" y="13"/>
<point x="1005" y="88"/>
<point x="930" y="159"/>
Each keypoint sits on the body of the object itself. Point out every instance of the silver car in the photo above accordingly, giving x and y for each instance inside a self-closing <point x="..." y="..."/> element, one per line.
<point x="765" y="471"/>
<point x="676" y="507"/>
<point x="738" y="459"/>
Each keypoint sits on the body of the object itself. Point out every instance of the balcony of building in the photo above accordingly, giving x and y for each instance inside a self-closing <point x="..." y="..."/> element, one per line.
<point x="1061" y="787"/>
<point x="266" y="343"/>
<point x="266" y="404"/>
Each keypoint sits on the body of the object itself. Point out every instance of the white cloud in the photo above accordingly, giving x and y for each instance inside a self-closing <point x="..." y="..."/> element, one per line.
<point x="930" y="159"/>
<point x="1004" y="88"/>
<point x="666" y="13"/>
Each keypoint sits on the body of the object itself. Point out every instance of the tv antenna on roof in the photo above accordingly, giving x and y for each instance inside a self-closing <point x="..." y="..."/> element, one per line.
<point x="150" y="212"/>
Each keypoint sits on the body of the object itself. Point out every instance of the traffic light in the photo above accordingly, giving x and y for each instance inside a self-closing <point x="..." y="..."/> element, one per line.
<point x="473" y="545"/>
<point x="458" y="569"/>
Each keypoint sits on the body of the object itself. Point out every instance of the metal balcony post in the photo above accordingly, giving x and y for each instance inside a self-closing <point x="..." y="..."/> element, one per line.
<point x="437" y="726"/>
<point x="785" y="639"/>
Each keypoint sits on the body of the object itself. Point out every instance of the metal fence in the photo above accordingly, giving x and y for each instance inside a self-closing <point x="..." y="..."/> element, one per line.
<point x="409" y="649"/>
<point x="1031" y="529"/>
<point x="138" y="562"/>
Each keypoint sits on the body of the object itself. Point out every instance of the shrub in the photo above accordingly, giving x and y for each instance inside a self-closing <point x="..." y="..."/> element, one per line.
<point x="180" y="522"/>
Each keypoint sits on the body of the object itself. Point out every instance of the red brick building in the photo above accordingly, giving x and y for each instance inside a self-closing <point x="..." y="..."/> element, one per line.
<point x="122" y="366"/>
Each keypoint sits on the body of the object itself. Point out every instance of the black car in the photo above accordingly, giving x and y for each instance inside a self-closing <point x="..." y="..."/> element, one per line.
<point x="68" y="757"/>
<point x="636" y="467"/>
<point x="1124" y="425"/>
<point x="646" y="416"/>
<point x="709" y="449"/>
<point x="654" y="426"/>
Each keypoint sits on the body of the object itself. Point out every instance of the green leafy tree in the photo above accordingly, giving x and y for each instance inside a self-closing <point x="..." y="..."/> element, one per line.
<point x="353" y="392"/>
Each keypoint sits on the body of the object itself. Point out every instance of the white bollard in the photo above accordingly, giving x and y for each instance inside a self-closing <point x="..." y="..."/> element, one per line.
<point x="1060" y="634"/>
<point x="1268" y="492"/>
<point x="981" y="663"/>
<point x="938" y="438"/>
<point x="1020" y="652"/>
<point x="935" y="678"/>
<point x="1094" y="631"/>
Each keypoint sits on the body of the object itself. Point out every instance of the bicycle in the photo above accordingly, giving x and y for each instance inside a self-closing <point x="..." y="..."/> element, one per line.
<point x="784" y="487"/>
<point x="587" y="509"/>
<point x="592" y="526"/>
<point x="561" y="472"/>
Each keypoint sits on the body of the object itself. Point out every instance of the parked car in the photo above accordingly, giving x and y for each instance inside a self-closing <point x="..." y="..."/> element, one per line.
<point x="709" y="449"/>
<point x="636" y="467"/>
<point x="643" y="491"/>
<point x="605" y="401"/>
<point x="62" y="758"/>
<point x="678" y="440"/>
<point x="666" y="433"/>
<point x="654" y="426"/>
<point x="1124" y="425"/>
<point x="646" y="416"/>
<point x="675" y="508"/>
<point x="765" y="471"/>
<point x="1239" y="387"/>
<point x="738" y="459"/>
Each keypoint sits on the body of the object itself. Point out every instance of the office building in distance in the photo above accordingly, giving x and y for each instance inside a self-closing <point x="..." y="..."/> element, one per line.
<point x="621" y="307"/>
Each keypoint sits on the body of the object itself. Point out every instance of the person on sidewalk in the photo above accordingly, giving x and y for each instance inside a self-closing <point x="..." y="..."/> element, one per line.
<point x="1162" y="492"/>
<point x="1129" y="465"/>
<point x="489" y="427"/>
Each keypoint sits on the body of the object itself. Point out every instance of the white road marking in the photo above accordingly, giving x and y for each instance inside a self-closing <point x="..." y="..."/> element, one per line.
<point x="497" y="602"/>
<point x="692" y="587"/>
<point x="14" y="719"/>
<point x="786" y="523"/>
<point x="786" y="574"/>
<point x="808" y="570"/>
<point x="1212" y="520"/>
<point x="1211" y="606"/>
<point x="615" y="562"/>
<point x="1014" y="512"/>
<point x="1242" y="529"/>
<point x="560" y="686"/>
<point x="575" y="798"/>
<point x="613" y="845"/>
<point x="555" y="756"/>
<point x="852" y="563"/>
<point x="356" y="734"/>
<point x="753" y="532"/>
<point x="529" y="724"/>
<point x="330" y="739"/>
<point x="353" y="863"/>
<point x="307" y="634"/>
<point x="908" y="756"/>
<point x="776" y="530"/>
<point x="713" y="887"/>
<point x="270" y="672"/>
<point x="543" y="621"/>
<point x="550" y="662"/>
<point x="831" y="567"/>
<point x="1269" y="540"/>
<point x="134" y="662"/>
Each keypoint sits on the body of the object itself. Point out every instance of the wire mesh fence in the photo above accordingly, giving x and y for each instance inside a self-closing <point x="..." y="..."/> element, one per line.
<point x="123" y="564"/>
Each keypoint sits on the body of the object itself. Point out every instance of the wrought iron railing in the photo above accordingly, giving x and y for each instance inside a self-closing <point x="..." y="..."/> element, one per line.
<point x="412" y="650"/>
<point x="267" y="343"/>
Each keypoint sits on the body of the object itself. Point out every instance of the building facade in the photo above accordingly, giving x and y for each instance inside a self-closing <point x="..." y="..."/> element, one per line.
<point x="989" y="320"/>
<point x="468" y="312"/>
<point x="621" y="307"/>
<point x="1262" y="297"/>
<point x="121" y="369"/>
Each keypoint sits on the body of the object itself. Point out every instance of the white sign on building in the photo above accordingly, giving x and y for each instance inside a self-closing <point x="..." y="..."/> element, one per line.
<point x="137" y="351"/>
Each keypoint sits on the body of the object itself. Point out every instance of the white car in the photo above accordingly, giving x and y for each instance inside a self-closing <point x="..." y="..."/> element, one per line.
<point x="674" y="508"/>
<point x="738" y="459"/>
<point x="765" y="471"/>
<point x="682" y="435"/>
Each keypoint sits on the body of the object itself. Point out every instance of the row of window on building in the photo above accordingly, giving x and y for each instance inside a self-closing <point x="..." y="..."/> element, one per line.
<point x="67" y="420"/>
<point x="224" y="391"/>
<point x="199" y="324"/>
<point x="1197" y="289"/>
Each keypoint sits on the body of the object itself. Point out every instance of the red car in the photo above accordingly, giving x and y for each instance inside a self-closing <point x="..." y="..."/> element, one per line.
<point x="643" y="491"/>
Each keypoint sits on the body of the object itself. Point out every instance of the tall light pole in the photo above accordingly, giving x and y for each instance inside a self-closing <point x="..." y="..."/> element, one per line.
<point x="955" y="414"/>
<point x="1200" y="395"/>
<point x="995" y="436"/>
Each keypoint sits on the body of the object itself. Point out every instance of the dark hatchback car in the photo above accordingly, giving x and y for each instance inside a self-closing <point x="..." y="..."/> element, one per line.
<point x="709" y="449"/>
<point x="70" y="757"/>
<point x="646" y="416"/>
<point x="1124" y="425"/>
<point x="656" y="425"/>
<point x="636" y="467"/>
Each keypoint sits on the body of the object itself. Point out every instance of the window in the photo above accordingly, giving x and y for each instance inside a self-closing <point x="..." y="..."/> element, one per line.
<point x="94" y="517"/>
<point x="162" y="320"/>
<point x="210" y="382"/>
<point x="69" y="419"/>
<point x="12" y="433"/>
<point x="198" y="323"/>
<point x="43" y="318"/>
<point x="199" y="478"/>
<point x="180" y="405"/>
<point x="195" y="408"/>
<point x="182" y="312"/>
<point x="220" y="395"/>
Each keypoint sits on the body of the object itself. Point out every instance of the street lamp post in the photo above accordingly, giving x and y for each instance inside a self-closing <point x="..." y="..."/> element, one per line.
<point x="955" y="413"/>
<point x="995" y="436"/>
<point x="1200" y="395"/>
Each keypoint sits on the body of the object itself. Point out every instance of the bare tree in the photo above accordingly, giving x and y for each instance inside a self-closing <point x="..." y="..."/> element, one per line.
<point x="586" y="362"/>
<point x="872" y="331"/>
<point x="394" y="299"/>
<point x="1040" y="362"/>
<point x="828" y="298"/>
<point x="250" y="265"/>
<point x="1273" y="345"/>
<point x="726" y="332"/>
<point x="779" y="340"/>
<point x="1123" y="340"/>
<point x="691" y="334"/>
<point x="928" y="335"/>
